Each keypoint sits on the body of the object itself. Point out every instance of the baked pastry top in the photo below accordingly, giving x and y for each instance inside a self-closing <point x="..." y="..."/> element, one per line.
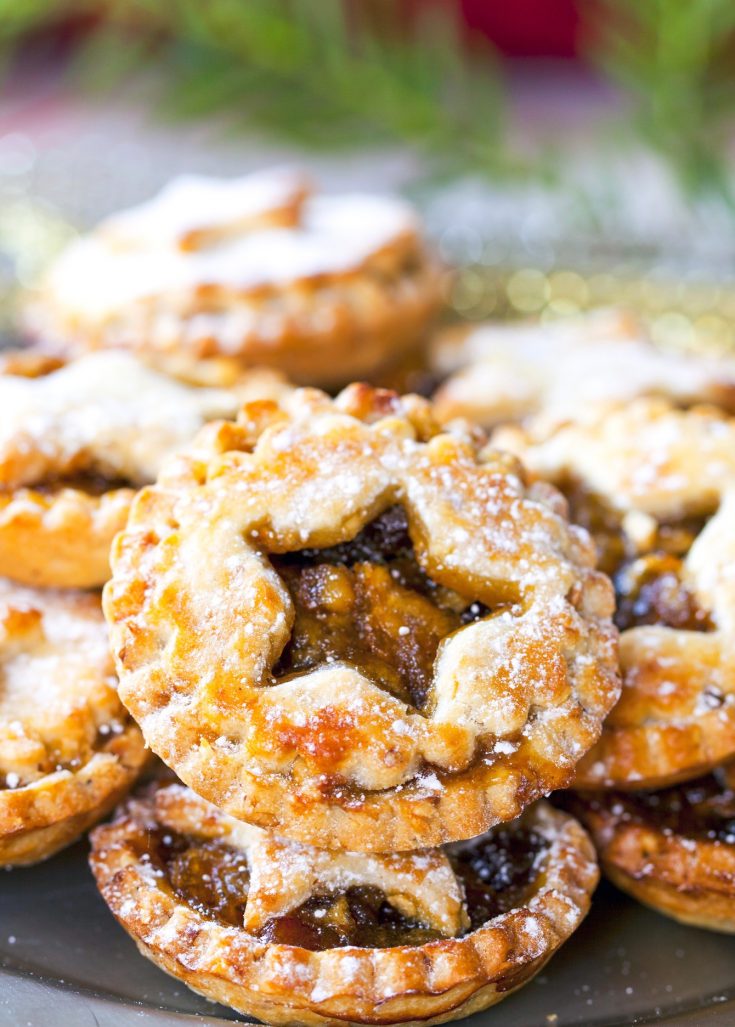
<point x="68" y="748"/>
<point x="673" y="849"/>
<point x="560" y="369"/>
<point x="324" y="288"/>
<point x="290" y="933"/>
<point x="338" y="620"/>
<point x="654" y="485"/>
<point x="76" y="441"/>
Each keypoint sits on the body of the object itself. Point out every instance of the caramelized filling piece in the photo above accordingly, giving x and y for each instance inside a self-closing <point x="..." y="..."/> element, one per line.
<point x="368" y="603"/>
<point x="703" y="809"/>
<point x="360" y="916"/>
<point x="212" y="878"/>
<point x="497" y="870"/>
<point x="648" y="586"/>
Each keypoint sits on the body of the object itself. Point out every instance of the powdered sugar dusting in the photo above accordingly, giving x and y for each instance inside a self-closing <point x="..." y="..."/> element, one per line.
<point x="105" y="413"/>
<point x="96" y="277"/>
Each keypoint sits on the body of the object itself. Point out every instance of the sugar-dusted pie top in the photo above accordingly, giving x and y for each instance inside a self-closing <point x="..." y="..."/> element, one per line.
<point x="58" y="697"/>
<point x="655" y="485"/>
<point x="477" y="635"/>
<point x="106" y="414"/>
<point x="194" y="211"/>
<point x="565" y="369"/>
<point x="241" y="236"/>
<point x="646" y="456"/>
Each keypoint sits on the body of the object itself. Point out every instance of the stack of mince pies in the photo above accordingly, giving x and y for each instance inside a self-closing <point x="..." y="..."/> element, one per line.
<point x="368" y="647"/>
<point x="395" y="651"/>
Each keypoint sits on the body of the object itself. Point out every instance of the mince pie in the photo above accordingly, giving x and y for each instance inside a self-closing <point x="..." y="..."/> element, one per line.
<point x="323" y="288"/>
<point x="292" y="934"/>
<point x="342" y="622"/>
<point x="673" y="849"/>
<point x="76" y="441"/>
<point x="68" y="749"/>
<point x="655" y="486"/>
<point x="559" y="370"/>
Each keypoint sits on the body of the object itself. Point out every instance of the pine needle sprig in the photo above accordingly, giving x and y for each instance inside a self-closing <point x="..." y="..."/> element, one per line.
<point x="673" y="59"/>
<point x="315" y="74"/>
<point x="345" y="73"/>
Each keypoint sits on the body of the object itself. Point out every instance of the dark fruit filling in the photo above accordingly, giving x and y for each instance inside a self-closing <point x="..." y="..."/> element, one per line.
<point x="703" y="809"/>
<point x="368" y="603"/>
<point x="497" y="871"/>
<point x="650" y="591"/>
<point x="648" y="587"/>
<point x="361" y="916"/>
<point x="91" y="483"/>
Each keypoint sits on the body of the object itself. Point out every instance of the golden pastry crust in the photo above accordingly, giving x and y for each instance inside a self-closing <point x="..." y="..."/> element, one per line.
<point x="200" y="617"/>
<point x="285" y="984"/>
<point x="685" y="874"/>
<point x="68" y="749"/>
<point x="651" y="467"/>
<point x="560" y="369"/>
<point x="76" y="442"/>
<point x="60" y="538"/>
<point x="325" y="289"/>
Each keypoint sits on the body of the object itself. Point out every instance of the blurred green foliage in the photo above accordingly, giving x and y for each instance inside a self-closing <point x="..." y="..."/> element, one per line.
<point x="675" y="59"/>
<point x="338" y="73"/>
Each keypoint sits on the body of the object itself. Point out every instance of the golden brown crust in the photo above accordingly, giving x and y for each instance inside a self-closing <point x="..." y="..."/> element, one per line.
<point x="651" y="463"/>
<point x="684" y="877"/>
<point x="283" y="984"/>
<point x="61" y="537"/>
<point x="342" y="290"/>
<point x="68" y="751"/>
<point x="40" y="819"/>
<point x="559" y="369"/>
<point x="107" y="419"/>
<point x="327" y="755"/>
<point x="675" y="718"/>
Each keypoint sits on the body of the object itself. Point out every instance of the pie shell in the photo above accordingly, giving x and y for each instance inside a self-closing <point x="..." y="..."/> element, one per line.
<point x="688" y="879"/>
<point x="281" y="984"/>
<point x="60" y="538"/>
<point x="64" y="736"/>
<point x="41" y="818"/>
<point x="651" y="740"/>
